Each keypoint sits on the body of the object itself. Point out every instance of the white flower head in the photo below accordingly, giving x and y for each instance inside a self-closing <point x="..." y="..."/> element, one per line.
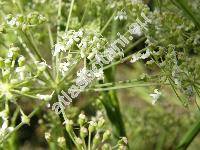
<point x="12" y="22"/>
<point x="121" y="15"/>
<point x="135" y="57"/>
<point x="156" y="95"/>
<point x="64" y="67"/>
<point x="135" y="29"/>
<point x="146" y="55"/>
<point x="99" y="74"/>
<point x="83" y="72"/>
<point x="58" y="48"/>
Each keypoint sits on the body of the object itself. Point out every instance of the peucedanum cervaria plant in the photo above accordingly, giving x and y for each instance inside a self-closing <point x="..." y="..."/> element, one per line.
<point x="48" y="46"/>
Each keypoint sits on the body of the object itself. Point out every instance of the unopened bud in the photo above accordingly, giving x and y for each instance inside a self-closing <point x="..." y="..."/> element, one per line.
<point x="96" y="140"/>
<point x="92" y="126"/>
<point x="25" y="119"/>
<point x="47" y="136"/>
<point x="69" y="125"/>
<point x="21" y="61"/>
<point x="25" y="89"/>
<point x="61" y="141"/>
<point x="106" y="147"/>
<point x="101" y="123"/>
<point x="83" y="132"/>
<point x="81" y="119"/>
<point x="106" y="135"/>
<point x="8" y="63"/>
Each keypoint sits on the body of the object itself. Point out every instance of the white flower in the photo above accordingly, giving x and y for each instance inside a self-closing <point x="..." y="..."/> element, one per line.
<point x="82" y="116"/>
<point x="5" y="124"/>
<point x="79" y="33"/>
<point x="47" y="135"/>
<point x="82" y="73"/>
<point x="58" y="48"/>
<point x="125" y="140"/>
<point x="121" y="15"/>
<point x="83" y="44"/>
<point x="156" y="95"/>
<point x="92" y="54"/>
<point x="12" y="22"/>
<point x="146" y="55"/>
<point x="61" y="141"/>
<point x="69" y="43"/>
<point x="135" y="57"/>
<point x="64" y="67"/>
<point x="136" y="30"/>
<point x="99" y="74"/>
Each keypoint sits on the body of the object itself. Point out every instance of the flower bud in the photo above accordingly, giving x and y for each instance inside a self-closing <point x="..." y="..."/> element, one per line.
<point x="78" y="141"/>
<point x="123" y="141"/>
<point x="96" y="140"/>
<point x="47" y="136"/>
<point x="25" y="119"/>
<point x="83" y="132"/>
<point x="9" y="17"/>
<point x="69" y="125"/>
<point x="81" y="119"/>
<point x="41" y="66"/>
<point x="41" y="19"/>
<point x="21" y="61"/>
<point x="8" y="63"/>
<point x="61" y="141"/>
<point x="101" y="123"/>
<point x="20" y="18"/>
<point x="106" y="135"/>
<point x="92" y="126"/>
<point x="13" y="52"/>
<point x="106" y="147"/>
<point x="13" y="81"/>
<point x="25" y="89"/>
<point x="6" y="74"/>
<point x="121" y="147"/>
<point x="24" y="27"/>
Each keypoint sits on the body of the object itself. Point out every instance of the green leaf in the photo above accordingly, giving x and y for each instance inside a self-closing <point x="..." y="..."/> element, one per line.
<point x="189" y="136"/>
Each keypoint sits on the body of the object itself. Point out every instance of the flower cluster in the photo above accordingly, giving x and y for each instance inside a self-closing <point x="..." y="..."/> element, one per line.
<point x="24" y="22"/>
<point x="93" y="130"/>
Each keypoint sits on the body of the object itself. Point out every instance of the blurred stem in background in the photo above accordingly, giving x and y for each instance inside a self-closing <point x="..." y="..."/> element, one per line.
<point x="110" y="99"/>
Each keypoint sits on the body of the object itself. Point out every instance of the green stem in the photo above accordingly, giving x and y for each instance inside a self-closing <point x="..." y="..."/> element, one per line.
<point x="108" y="22"/>
<point x="69" y="16"/>
<point x="124" y="86"/>
<point x="189" y="136"/>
